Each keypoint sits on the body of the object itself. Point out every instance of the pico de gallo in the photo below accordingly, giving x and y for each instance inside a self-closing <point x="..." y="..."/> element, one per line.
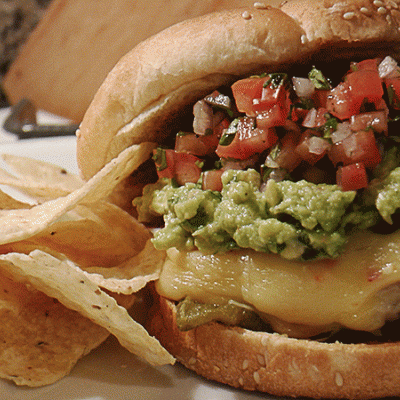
<point x="316" y="160"/>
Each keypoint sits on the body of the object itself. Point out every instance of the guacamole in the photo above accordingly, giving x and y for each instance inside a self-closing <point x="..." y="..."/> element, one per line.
<point x="295" y="219"/>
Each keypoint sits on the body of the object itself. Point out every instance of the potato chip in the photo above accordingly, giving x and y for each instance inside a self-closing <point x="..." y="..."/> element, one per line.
<point x="76" y="291"/>
<point x="40" y="180"/>
<point x="8" y="202"/>
<point x="21" y="224"/>
<point x="101" y="235"/>
<point x="133" y="274"/>
<point x="41" y="340"/>
<point x="40" y="171"/>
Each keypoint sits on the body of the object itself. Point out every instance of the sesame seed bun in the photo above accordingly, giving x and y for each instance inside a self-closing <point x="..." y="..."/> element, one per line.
<point x="145" y="97"/>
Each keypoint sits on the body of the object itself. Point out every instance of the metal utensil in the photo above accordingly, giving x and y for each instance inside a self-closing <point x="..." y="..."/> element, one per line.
<point x="23" y="123"/>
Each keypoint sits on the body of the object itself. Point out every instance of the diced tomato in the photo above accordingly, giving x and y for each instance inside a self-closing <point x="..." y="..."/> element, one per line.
<point x="393" y="88"/>
<point x="315" y="118"/>
<point x="212" y="180"/>
<point x="340" y="103"/>
<point x="286" y="157"/>
<point x="248" y="140"/>
<point x="369" y="64"/>
<point x="187" y="168"/>
<point x="366" y="85"/>
<point x="382" y="106"/>
<point x="254" y="97"/>
<point x="352" y="177"/>
<point x="275" y="116"/>
<point x="245" y="90"/>
<point x="312" y="148"/>
<point x="319" y="98"/>
<point x="360" y="147"/>
<point x="199" y="145"/>
<point x="347" y="98"/>
<point x="298" y="113"/>
<point x="219" y="129"/>
<point x="377" y="120"/>
<point x="164" y="161"/>
<point x="183" y="167"/>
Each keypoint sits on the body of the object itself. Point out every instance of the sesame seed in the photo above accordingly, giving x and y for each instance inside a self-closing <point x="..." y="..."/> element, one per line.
<point x="303" y="39"/>
<point x="378" y="3"/>
<point x="393" y="4"/>
<point x="217" y="369"/>
<point x="365" y="10"/>
<point x="266" y="357"/>
<point x="241" y="382"/>
<point x="313" y="372"/>
<point x="349" y="15"/>
<point x="246" y="15"/>
<point x="260" y="6"/>
<point x="261" y="359"/>
<point x="293" y="368"/>
<point x="382" y="10"/>
<point x="192" y="361"/>
<point x="256" y="377"/>
<point x="245" y="364"/>
<point x="338" y="379"/>
<point x="78" y="133"/>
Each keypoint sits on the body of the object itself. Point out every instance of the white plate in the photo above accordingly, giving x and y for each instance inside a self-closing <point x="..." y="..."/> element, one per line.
<point x="111" y="372"/>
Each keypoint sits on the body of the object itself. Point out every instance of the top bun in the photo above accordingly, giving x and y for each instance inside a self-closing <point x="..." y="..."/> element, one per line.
<point x="146" y="91"/>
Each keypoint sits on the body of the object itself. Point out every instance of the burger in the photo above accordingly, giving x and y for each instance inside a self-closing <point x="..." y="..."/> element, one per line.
<point x="273" y="188"/>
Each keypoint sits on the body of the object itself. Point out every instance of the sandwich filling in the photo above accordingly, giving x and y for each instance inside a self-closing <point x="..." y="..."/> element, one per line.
<point x="303" y="168"/>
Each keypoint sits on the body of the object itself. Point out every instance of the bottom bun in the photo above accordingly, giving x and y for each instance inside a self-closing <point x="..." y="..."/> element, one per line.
<point x="276" y="364"/>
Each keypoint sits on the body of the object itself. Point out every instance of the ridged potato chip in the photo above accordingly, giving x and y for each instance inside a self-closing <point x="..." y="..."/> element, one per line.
<point x="99" y="234"/>
<point x="132" y="275"/>
<point x="70" y="286"/>
<point x="40" y="180"/>
<point x="20" y="224"/>
<point x="69" y="268"/>
<point x="41" y="339"/>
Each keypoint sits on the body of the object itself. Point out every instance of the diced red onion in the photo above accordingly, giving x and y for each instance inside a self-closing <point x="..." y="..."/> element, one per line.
<point x="270" y="163"/>
<point x="203" y="117"/>
<point x="342" y="132"/>
<point x="318" y="145"/>
<point x="387" y="68"/>
<point x="351" y="146"/>
<point x="303" y="87"/>
<point x="277" y="174"/>
<point x="309" y="122"/>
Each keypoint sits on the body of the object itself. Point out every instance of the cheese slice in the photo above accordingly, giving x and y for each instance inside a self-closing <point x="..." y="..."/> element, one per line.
<point x="359" y="290"/>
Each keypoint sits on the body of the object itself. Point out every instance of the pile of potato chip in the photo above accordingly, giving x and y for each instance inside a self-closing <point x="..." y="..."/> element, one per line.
<point x="70" y="265"/>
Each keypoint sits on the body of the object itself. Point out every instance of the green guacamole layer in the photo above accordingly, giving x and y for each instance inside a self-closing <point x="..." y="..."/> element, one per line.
<point x="298" y="220"/>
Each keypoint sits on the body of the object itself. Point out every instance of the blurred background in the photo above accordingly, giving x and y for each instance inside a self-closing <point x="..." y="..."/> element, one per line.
<point x="17" y="19"/>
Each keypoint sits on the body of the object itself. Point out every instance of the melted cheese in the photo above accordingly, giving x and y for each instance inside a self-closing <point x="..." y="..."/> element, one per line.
<point x="359" y="290"/>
